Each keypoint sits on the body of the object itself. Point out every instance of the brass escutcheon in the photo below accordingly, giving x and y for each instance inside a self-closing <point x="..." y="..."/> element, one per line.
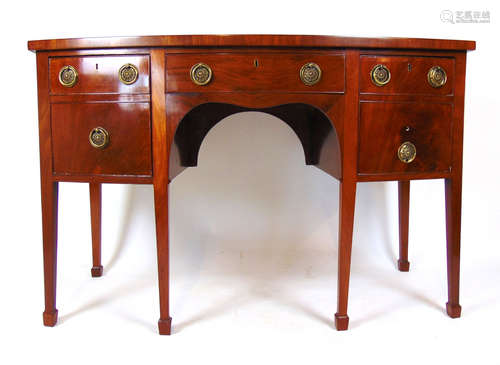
<point x="68" y="76"/>
<point x="380" y="75"/>
<point x="201" y="74"/>
<point x="99" y="137"/>
<point x="407" y="152"/>
<point x="310" y="74"/>
<point x="128" y="74"/>
<point x="436" y="76"/>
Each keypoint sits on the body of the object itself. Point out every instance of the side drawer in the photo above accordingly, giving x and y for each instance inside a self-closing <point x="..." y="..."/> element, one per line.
<point x="255" y="72"/>
<point x="385" y="126"/>
<point x="123" y="74"/>
<point x="127" y="125"/>
<point x="408" y="75"/>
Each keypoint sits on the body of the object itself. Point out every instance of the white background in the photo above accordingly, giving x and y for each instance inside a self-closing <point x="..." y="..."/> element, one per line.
<point x="253" y="230"/>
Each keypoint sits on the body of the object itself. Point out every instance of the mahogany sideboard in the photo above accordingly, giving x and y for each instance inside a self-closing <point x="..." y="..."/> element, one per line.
<point x="135" y="110"/>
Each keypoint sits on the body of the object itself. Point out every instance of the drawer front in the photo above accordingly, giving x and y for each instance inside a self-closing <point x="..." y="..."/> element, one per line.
<point x="252" y="72"/>
<point x="408" y="75"/>
<point x="129" y="129"/>
<point x="384" y="127"/>
<point x="100" y="74"/>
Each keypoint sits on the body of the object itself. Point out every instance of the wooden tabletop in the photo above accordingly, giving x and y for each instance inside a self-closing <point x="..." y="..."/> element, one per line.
<point x="321" y="41"/>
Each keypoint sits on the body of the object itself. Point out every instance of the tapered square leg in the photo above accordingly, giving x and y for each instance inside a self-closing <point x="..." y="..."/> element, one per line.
<point x="404" y="217"/>
<point x="162" y="142"/>
<point x="161" y="214"/>
<point x="346" y="222"/>
<point x="95" y="223"/>
<point x="49" y="226"/>
<point x="453" y="196"/>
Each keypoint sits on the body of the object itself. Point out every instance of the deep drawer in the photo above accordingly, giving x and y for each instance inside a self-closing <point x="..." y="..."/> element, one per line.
<point x="127" y="74"/>
<point x="127" y="125"/>
<point x="255" y="72"/>
<point x="408" y="75"/>
<point x="384" y="127"/>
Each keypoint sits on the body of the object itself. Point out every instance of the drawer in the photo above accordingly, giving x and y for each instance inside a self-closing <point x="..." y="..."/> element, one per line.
<point x="256" y="72"/>
<point x="384" y="127"/>
<point x="128" y="74"/>
<point x="129" y="129"/>
<point x="407" y="75"/>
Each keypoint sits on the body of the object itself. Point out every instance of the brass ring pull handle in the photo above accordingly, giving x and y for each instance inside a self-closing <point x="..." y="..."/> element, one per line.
<point x="380" y="75"/>
<point x="201" y="74"/>
<point x="407" y="152"/>
<point x="436" y="76"/>
<point x="99" y="137"/>
<point x="68" y="76"/>
<point x="128" y="74"/>
<point x="310" y="74"/>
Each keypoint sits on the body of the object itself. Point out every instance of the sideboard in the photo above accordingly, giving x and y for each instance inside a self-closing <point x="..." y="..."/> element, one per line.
<point x="135" y="110"/>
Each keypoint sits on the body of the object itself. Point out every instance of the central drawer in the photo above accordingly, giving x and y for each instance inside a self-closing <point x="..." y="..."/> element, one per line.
<point x="280" y="72"/>
<point x="101" y="139"/>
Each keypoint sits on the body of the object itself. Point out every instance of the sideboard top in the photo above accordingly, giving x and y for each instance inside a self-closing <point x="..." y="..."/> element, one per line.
<point x="321" y="41"/>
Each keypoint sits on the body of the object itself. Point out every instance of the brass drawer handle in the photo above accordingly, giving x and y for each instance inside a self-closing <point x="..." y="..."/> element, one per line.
<point x="380" y="75"/>
<point x="436" y="76"/>
<point x="68" y="76"/>
<point x="201" y="74"/>
<point x="407" y="152"/>
<point x="99" y="138"/>
<point x="310" y="74"/>
<point x="128" y="74"/>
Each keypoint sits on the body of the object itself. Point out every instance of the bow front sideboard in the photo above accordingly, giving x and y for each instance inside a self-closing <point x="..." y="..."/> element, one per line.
<point x="135" y="110"/>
